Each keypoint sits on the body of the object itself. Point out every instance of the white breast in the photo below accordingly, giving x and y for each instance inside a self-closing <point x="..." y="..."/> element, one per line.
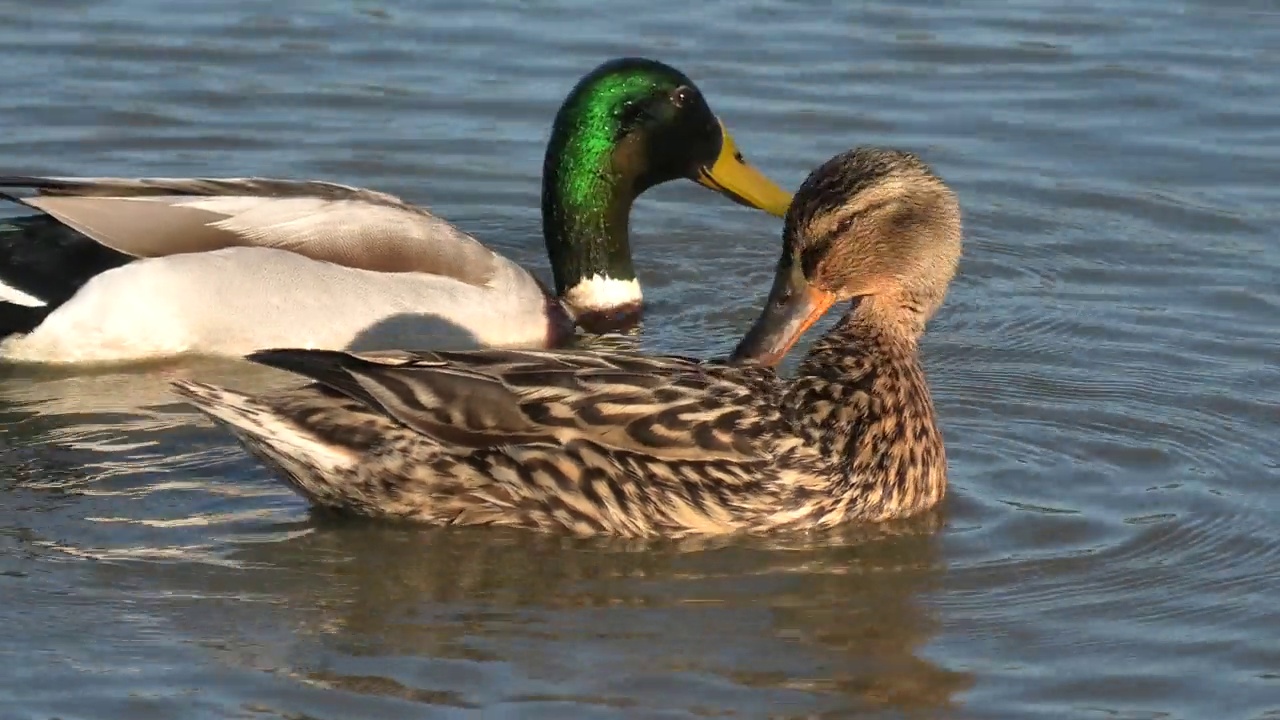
<point x="237" y="300"/>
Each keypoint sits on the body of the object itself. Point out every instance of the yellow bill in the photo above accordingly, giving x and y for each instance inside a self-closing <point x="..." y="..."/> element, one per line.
<point x="731" y="176"/>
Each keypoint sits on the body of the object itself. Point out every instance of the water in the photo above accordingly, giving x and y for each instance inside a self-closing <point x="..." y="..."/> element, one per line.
<point x="1105" y="371"/>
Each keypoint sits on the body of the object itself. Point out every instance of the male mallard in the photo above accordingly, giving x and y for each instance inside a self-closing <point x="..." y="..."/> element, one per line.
<point x="620" y="443"/>
<point x="228" y="266"/>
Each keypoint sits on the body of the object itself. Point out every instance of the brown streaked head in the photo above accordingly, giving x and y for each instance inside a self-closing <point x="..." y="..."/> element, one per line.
<point x="872" y="225"/>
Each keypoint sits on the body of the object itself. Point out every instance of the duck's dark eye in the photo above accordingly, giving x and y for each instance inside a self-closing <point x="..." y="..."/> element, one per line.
<point x="812" y="257"/>
<point x="682" y="96"/>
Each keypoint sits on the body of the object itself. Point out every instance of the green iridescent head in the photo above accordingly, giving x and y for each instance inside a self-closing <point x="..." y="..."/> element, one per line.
<point x="628" y="125"/>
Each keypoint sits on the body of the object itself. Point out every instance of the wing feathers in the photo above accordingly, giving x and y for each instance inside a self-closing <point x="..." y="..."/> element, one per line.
<point x="154" y="217"/>
<point x="672" y="409"/>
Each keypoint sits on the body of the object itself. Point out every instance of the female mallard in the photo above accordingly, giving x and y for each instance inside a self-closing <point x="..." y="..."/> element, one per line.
<point x="228" y="266"/>
<point x="620" y="443"/>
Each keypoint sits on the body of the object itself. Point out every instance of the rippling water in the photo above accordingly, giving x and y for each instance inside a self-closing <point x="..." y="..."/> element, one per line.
<point x="1105" y="369"/>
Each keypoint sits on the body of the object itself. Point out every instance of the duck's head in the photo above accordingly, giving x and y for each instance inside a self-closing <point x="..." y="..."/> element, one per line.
<point x="628" y="125"/>
<point x="870" y="225"/>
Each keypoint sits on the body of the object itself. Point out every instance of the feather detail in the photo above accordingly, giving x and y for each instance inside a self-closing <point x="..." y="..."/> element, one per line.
<point x="588" y="443"/>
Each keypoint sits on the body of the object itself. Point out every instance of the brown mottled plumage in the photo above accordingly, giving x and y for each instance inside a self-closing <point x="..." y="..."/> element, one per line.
<point x="620" y="443"/>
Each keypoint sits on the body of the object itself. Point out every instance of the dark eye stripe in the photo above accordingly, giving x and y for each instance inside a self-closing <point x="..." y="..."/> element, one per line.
<point x="843" y="226"/>
<point x="811" y="256"/>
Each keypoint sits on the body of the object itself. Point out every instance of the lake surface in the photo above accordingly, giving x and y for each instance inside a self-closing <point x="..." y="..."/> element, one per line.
<point x="1105" y="369"/>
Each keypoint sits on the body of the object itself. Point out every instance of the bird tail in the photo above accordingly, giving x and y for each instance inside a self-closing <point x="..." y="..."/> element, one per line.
<point x="300" y="457"/>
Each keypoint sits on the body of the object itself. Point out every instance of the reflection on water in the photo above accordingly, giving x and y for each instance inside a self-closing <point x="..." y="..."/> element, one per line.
<point x="491" y="619"/>
<point x="592" y="622"/>
<point x="1104" y="369"/>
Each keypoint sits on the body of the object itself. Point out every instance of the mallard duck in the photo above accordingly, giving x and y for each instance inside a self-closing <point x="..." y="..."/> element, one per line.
<point x="160" y="267"/>
<point x="632" y="445"/>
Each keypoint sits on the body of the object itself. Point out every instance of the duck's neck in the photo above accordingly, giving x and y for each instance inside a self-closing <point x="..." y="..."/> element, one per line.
<point x="866" y="409"/>
<point x="586" y="209"/>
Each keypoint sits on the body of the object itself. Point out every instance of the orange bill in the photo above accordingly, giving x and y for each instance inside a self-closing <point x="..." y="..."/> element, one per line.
<point x="792" y="308"/>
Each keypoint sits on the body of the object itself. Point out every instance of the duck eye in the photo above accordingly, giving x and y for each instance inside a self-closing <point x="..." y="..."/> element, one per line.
<point x="682" y="96"/>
